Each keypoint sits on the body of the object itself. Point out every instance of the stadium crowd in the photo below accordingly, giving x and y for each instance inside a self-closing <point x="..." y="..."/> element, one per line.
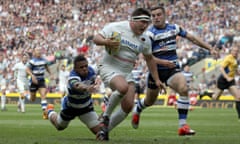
<point x="64" y="28"/>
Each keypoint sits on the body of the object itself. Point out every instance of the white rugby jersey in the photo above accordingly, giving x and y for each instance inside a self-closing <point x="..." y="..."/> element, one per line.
<point x="63" y="76"/>
<point x="130" y="46"/>
<point x="20" y="69"/>
<point x="3" y="66"/>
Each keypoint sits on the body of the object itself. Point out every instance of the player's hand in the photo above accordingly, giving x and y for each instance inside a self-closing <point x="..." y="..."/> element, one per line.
<point x="161" y="86"/>
<point x="111" y="42"/>
<point x="92" y="88"/>
<point x="214" y="53"/>
<point x="34" y="79"/>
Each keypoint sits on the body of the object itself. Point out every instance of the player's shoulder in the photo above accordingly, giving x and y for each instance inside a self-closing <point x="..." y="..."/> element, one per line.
<point x="144" y="37"/>
<point x="117" y="25"/>
<point x="73" y="74"/>
<point x="91" y="70"/>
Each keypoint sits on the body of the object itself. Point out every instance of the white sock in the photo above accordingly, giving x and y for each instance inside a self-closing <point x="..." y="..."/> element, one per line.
<point x="112" y="103"/>
<point x="183" y="104"/>
<point x="3" y="101"/>
<point x="27" y="96"/>
<point x="44" y="104"/>
<point x="117" y="117"/>
<point x="140" y="106"/>
<point x="61" y="100"/>
<point x="50" y="113"/>
<point x="22" y="104"/>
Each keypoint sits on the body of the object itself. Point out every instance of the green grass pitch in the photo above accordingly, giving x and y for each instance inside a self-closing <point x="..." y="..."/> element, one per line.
<point x="158" y="125"/>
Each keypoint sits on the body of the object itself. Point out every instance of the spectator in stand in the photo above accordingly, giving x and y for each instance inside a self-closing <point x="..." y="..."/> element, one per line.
<point x="49" y="24"/>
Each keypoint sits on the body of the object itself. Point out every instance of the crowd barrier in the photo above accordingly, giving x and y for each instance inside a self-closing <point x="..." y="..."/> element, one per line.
<point x="206" y="102"/>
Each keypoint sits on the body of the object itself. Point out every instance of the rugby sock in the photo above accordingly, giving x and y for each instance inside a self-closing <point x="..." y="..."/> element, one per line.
<point x="140" y="106"/>
<point x="22" y="104"/>
<point x="61" y="100"/>
<point x="114" y="99"/>
<point x="3" y="102"/>
<point x="51" y="112"/>
<point x="238" y="108"/>
<point x="183" y="106"/>
<point x="117" y="117"/>
<point x="44" y="104"/>
<point x="27" y="96"/>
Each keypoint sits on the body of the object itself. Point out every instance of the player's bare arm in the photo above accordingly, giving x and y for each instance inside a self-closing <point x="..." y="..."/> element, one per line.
<point x="110" y="42"/>
<point x="153" y="69"/>
<point x="83" y="87"/>
<point x="29" y="72"/>
<point x="198" y="41"/>
<point x="225" y="75"/>
<point x="165" y="63"/>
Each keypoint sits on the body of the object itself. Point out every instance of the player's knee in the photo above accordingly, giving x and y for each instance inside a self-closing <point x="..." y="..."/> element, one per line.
<point x="183" y="91"/>
<point x="123" y="90"/>
<point x="127" y="107"/>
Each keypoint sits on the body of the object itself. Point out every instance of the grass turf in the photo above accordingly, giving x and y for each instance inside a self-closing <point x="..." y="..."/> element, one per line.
<point x="158" y="125"/>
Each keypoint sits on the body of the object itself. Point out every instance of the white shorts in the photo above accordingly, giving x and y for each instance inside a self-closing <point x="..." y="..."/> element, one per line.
<point x="62" y="87"/>
<point x="22" y="86"/>
<point x="3" y="87"/>
<point x="108" y="72"/>
<point x="90" y="119"/>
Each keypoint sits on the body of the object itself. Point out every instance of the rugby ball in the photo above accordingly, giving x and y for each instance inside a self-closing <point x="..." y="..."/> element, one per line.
<point x="114" y="50"/>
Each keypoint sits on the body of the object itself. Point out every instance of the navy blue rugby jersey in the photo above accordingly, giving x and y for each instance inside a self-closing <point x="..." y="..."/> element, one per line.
<point x="164" y="43"/>
<point x="38" y="67"/>
<point x="76" y="98"/>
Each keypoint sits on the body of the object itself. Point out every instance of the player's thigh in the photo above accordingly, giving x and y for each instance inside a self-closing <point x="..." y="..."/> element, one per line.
<point x="90" y="119"/>
<point x="119" y="83"/>
<point x="128" y="100"/>
<point x="21" y="87"/>
<point x="151" y="96"/>
<point x="234" y="91"/>
<point x="61" y="122"/>
<point x="3" y="90"/>
<point x="114" y="78"/>
<point x="42" y="88"/>
<point x="178" y="83"/>
<point x="62" y="87"/>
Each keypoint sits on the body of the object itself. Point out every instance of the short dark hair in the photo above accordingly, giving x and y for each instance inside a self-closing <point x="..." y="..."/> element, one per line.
<point x="79" y="58"/>
<point x="140" y="11"/>
<point x="158" y="7"/>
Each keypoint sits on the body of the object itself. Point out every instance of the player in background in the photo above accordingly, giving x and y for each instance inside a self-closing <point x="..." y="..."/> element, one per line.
<point x="137" y="73"/>
<point x="3" y="81"/>
<point x="63" y="74"/>
<point x="226" y="80"/>
<point x="20" y="75"/>
<point x="78" y="102"/>
<point x="118" y="62"/>
<point x="164" y="45"/>
<point x="191" y="91"/>
<point x="36" y="68"/>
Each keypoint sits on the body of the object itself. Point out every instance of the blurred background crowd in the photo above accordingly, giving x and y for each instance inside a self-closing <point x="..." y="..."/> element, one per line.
<point x="65" y="28"/>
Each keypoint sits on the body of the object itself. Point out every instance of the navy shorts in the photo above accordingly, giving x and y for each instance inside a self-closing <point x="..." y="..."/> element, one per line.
<point x="164" y="75"/>
<point x="222" y="83"/>
<point x="35" y="87"/>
